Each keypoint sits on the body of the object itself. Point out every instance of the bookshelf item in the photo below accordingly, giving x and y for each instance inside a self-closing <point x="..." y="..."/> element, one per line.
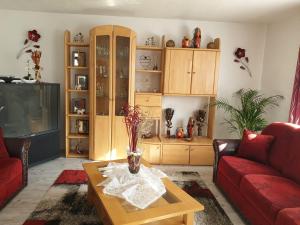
<point x="76" y="97"/>
<point x="111" y="83"/>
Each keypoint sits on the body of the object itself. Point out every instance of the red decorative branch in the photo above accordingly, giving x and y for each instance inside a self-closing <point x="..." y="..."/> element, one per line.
<point x="132" y="119"/>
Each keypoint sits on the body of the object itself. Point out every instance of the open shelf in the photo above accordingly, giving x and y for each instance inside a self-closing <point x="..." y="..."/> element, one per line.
<point x="73" y="44"/>
<point x="197" y="140"/>
<point x="78" y="115"/>
<point x="77" y="91"/>
<point x="78" y="155"/>
<point x="148" y="71"/>
<point x="76" y="136"/>
<point x="149" y="48"/>
<point x="153" y="140"/>
<point x="78" y="67"/>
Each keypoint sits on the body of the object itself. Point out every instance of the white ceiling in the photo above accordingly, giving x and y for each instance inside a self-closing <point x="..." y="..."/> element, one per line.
<point x="256" y="11"/>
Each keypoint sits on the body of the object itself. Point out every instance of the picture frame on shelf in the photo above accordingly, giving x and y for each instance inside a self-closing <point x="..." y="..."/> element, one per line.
<point x="79" y="106"/>
<point x="78" y="59"/>
<point x="81" y="82"/>
<point x="82" y="126"/>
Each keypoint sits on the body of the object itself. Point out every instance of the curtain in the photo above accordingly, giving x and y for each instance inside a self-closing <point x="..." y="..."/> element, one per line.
<point x="295" y="103"/>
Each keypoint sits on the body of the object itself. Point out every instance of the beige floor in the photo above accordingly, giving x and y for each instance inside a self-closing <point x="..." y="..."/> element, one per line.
<point x="42" y="176"/>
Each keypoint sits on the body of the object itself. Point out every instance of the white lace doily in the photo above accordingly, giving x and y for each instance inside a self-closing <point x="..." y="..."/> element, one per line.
<point x="140" y="190"/>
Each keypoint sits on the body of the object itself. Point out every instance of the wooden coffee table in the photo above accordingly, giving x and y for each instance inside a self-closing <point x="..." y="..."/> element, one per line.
<point x="174" y="207"/>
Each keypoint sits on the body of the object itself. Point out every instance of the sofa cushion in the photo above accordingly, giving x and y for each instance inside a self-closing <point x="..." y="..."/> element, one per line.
<point x="10" y="178"/>
<point x="281" y="152"/>
<point x="10" y="168"/>
<point x="270" y="194"/>
<point x="255" y="146"/>
<point x="289" y="216"/>
<point x="3" y="150"/>
<point x="235" y="168"/>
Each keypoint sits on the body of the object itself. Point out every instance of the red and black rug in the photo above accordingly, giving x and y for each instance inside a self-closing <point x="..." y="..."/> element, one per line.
<point x="65" y="202"/>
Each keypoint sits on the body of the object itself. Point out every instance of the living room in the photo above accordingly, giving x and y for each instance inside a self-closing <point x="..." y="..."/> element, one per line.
<point x="198" y="101"/>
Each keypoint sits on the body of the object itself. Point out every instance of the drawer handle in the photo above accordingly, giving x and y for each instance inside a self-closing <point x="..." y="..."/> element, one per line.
<point x="147" y="100"/>
<point x="188" y="72"/>
<point x="187" y="149"/>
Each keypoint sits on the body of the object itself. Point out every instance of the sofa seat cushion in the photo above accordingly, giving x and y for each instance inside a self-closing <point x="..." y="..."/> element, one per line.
<point x="289" y="216"/>
<point x="10" y="178"/>
<point x="9" y="169"/>
<point x="270" y="194"/>
<point x="235" y="168"/>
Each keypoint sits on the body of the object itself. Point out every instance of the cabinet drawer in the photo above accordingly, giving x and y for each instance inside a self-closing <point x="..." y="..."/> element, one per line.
<point x="151" y="153"/>
<point x="175" y="154"/>
<point x="153" y="112"/>
<point x="201" y="155"/>
<point x="148" y="100"/>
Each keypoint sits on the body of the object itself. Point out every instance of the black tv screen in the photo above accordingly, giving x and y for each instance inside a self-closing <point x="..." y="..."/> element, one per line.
<point x="27" y="109"/>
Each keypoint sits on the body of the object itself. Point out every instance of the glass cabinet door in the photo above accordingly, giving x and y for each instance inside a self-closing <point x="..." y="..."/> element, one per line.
<point x="102" y="65"/>
<point x="122" y="73"/>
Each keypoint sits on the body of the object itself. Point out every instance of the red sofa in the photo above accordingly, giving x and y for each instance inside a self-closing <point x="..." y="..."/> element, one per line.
<point x="13" y="167"/>
<point x="266" y="194"/>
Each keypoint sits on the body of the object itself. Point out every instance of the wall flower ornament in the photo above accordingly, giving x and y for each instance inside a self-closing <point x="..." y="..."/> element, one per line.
<point x="32" y="48"/>
<point x="242" y="59"/>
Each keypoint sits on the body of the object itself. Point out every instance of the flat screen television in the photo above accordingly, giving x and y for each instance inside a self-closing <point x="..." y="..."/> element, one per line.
<point x="28" y="109"/>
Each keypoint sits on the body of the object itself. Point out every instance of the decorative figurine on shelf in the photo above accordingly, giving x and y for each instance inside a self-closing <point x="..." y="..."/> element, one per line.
<point x="36" y="58"/>
<point x="190" y="128"/>
<point x="28" y="68"/>
<point x="170" y="44"/>
<point x="146" y="128"/>
<point x="78" y="38"/>
<point x="77" y="147"/>
<point x="200" y="118"/>
<point x="78" y="87"/>
<point x="197" y="38"/>
<point x="179" y="132"/>
<point x="169" y="112"/>
<point x="150" y="41"/>
<point x="185" y="42"/>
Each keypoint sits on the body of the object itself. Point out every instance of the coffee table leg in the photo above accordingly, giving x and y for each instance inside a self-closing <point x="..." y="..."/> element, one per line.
<point x="90" y="194"/>
<point x="188" y="219"/>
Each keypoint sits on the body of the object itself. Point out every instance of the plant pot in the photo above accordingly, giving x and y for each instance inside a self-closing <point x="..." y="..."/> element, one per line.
<point x="134" y="161"/>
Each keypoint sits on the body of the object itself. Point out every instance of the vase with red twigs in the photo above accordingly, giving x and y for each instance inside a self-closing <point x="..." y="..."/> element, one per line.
<point x="133" y="119"/>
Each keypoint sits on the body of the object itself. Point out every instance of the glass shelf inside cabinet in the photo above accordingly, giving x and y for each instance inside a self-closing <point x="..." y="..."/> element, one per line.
<point x="122" y="73"/>
<point x="102" y="74"/>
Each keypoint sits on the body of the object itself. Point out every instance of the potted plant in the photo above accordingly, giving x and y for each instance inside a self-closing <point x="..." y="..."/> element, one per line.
<point x="133" y="119"/>
<point x="249" y="114"/>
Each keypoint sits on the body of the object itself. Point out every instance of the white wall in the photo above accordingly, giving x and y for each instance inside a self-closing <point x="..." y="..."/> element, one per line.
<point x="14" y="24"/>
<point x="281" y="52"/>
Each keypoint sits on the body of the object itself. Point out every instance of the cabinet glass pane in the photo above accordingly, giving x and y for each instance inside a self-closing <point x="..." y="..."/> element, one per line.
<point x="122" y="73"/>
<point x="102" y="74"/>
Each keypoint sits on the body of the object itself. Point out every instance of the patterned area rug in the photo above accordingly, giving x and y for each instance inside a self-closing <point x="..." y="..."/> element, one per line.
<point x="65" y="202"/>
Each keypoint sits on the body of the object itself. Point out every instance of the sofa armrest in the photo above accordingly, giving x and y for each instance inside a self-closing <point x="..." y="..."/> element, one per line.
<point x="18" y="148"/>
<point x="223" y="147"/>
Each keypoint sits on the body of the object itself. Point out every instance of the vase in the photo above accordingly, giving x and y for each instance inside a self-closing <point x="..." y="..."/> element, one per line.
<point x="134" y="161"/>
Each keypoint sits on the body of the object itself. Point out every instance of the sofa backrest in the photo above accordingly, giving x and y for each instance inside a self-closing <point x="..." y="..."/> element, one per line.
<point x="284" y="154"/>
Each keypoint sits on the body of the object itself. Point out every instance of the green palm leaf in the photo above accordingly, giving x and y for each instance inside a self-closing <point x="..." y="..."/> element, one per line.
<point x="249" y="113"/>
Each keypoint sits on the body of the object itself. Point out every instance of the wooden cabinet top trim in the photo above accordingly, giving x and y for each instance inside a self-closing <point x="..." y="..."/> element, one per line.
<point x="194" y="49"/>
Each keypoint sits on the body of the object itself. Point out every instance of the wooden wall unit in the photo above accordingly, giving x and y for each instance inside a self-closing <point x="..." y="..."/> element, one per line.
<point x="112" y="63"/>
<point x="187" y="72"/>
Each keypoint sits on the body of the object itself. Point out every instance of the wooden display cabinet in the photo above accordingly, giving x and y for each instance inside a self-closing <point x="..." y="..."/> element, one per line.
<point x="112" y="63"/>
